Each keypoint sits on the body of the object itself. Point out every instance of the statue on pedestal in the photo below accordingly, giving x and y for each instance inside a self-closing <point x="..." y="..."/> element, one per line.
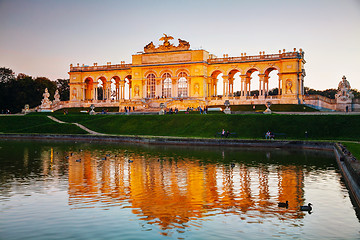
<point x="267" y="111"/>
<point x="46" y="103"/>
<point x="227" y="107"/>
<point x="56" y="96"/>
<point x="344" y="96"/>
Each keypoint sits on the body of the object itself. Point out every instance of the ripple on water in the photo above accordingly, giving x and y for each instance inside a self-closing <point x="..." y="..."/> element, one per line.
<point x="169" y="192"/>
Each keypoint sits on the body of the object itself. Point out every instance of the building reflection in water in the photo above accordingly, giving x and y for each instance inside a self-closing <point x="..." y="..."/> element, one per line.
<point x="171" y="192"/>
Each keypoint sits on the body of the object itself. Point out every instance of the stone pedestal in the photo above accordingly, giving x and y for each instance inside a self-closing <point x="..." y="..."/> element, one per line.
<point x="227" y="110"/>
<point x="92" y="107"/>
<point x="45" y="103"/>
<point x="344" y="96"/>
<point x="267" y="111"/>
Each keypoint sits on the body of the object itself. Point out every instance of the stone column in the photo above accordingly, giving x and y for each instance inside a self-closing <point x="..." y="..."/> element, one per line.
<point x="266" y="85"/>
<point x="243" y="85"/>
<point x="247" y="83"/>
<point x="158" y="87"/>
<point x="130" y="88"/>
<point x="231" y="86"/>
<point x="189" y="87"/>
<point x="226" y="85"/>
<point x="280" y="84"/>
<point x="174" y="87"/>
<point x="144" y="91"/>
<point x="261" y="84"/>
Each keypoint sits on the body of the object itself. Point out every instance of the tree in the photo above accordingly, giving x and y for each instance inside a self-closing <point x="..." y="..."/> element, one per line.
<point x="64" y="89"/>
<point x="356" y="93"/>
<point x="273" y="92"/>
<point x="40" y="84"/>
<point x="16" y="92"/>
<point x="329" y="93"/>
<point x="6" y="75"/>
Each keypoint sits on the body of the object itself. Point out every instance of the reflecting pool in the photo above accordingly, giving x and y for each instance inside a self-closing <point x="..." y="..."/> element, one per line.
<point x="78" y="190"/>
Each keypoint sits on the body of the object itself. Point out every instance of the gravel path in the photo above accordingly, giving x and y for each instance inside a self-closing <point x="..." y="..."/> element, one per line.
<point x="77" y="124"/>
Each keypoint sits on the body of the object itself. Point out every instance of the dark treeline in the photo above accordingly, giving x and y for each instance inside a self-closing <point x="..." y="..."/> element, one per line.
<point x="329" y="93"/>
<point x="16" y="91"/>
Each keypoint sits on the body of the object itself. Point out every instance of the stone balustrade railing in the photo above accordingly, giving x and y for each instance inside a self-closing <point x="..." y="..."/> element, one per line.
<point x="255" y="58"/>
<point x="100" y="68"/>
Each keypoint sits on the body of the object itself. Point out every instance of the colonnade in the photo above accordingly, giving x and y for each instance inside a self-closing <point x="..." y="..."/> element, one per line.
<point x="91" y="91"/>
<point x="245" y="82"/>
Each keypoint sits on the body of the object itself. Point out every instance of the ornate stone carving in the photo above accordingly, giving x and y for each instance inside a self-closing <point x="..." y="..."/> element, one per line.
<point x="289" y="86"/>
<point x="167" y="45"/>
<point x="183" y="43"/>
<point x="196" y="88"/>
<point x="344" y="96"/>
<point x="137" y="89"/>
<point x="150" y="46"/>
<point x="166" y="39"/>
<point x="45" y="103"/>
<point x="56" y="96"/>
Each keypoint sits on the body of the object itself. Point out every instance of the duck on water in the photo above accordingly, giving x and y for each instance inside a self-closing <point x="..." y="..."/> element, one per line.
<point x="283" y="204"/>
<point x="306" y="207"/>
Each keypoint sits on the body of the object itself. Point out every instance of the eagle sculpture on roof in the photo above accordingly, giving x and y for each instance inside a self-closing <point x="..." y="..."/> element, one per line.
<point x="166" y="39"/>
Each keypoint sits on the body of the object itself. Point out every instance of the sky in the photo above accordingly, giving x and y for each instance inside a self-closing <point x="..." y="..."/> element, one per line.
<point x="42" y="38"/>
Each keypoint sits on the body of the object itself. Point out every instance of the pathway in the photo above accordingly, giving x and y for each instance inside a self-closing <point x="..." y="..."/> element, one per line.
<point x="77" y="124"/>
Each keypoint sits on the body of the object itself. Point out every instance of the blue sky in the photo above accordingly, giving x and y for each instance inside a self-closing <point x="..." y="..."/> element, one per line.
<point x="43" y="37"/>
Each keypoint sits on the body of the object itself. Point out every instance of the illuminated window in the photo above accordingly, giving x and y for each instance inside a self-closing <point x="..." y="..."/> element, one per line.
<point x="182" y="85"/>
<point x="150" y="86"/>
<point x="166" y="87"/>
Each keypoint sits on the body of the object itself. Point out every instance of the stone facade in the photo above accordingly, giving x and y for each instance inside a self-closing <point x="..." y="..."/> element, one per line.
<point x="177" y="73"/>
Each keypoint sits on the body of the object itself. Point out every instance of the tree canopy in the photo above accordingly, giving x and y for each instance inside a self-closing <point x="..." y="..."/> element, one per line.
<point x="329" y="93"/>
<point x="23" y="89"/>
<point x="6" y="75"/>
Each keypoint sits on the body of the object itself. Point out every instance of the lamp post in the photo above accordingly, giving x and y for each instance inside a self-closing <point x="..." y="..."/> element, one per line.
<point x="227" y="107"/>
<point x="92" y="107"/>
<point x="162" y="106"/>
<point x="267" y="111"/>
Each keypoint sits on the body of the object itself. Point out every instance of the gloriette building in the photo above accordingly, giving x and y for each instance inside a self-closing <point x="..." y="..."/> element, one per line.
<point x="180" y="77"/>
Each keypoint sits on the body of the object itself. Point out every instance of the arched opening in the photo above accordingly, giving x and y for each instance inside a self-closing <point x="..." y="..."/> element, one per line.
<point x="88" y="89"/>
<point x="127" y="90"/>
<point x="219" y="85"/>
<point x="216" y="84"/>
<point x="100" y="89"/>
<point x="150" y="85"/>
<point x="234" y="86"/>
<point x="115" y="88"/>
<point x="251" y="88"/>
<point x="182" y="85"/>
<point x="166" y="85"/>
<point x="272" y="84"/>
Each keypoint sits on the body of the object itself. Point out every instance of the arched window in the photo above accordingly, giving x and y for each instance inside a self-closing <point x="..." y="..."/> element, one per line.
<point x="166" y="87"/>
<point x="150" y="86"/>
<point x="100" y="90"/>
<point x="182" y="85"/>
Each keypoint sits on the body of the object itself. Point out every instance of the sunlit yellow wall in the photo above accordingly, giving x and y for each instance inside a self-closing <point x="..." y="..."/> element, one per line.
<point x="201" y="74"/>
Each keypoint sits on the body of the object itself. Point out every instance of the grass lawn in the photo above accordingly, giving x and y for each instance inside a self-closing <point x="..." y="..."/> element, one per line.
<point x="354" y="148"/>
<point x="36" y="124"/>
<point x="274" y="107"/>
<point x="251" y="126"/>
<point x="78" y="109"/>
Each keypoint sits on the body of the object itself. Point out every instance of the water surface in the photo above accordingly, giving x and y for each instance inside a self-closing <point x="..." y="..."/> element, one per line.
<point x="76" y="190"/>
